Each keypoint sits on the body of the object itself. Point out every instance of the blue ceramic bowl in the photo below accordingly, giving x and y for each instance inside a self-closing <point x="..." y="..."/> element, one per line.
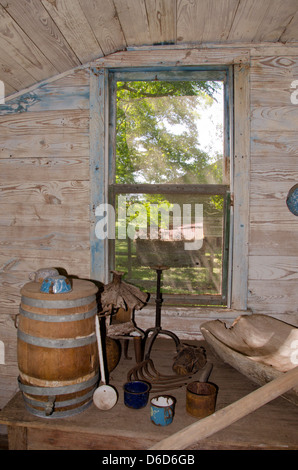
<point x="136" y="394"/>
<point x="292" y="200"/>
<point x="56" y="285"/>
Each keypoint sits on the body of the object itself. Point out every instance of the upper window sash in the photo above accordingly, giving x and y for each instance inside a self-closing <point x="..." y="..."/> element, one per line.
<point x="201" y="73"/>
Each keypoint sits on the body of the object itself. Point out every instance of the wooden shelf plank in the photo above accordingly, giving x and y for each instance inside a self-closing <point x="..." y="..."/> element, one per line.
<point x="272" y="426"/>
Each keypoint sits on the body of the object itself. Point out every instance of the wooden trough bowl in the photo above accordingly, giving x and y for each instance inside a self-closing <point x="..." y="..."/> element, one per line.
<point x="259" y="346"/>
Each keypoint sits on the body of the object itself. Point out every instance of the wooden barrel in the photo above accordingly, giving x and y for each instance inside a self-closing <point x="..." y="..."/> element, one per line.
<point x="57" y="349"/>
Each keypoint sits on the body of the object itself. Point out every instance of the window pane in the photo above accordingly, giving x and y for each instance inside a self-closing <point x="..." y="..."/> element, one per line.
<point x="169" y="132"/>
<point x="182" y="232"/>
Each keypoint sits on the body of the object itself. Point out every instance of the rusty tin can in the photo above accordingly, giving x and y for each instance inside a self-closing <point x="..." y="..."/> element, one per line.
<point x="200" y="399"/>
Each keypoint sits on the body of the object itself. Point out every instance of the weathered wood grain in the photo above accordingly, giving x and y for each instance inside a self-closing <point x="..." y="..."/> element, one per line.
<point x="276" y="93"/>
<point x="272" y="240"/>
<point x="275" y="118"/>
<point x="271" y="169"/>
<point x="162" y="20"/>
<point x="273" y="296"/>
<point x="103" y="19"/>
<point x="14" y="76"/>
<point x="270" y="69"/>
<point x="269" y="49"/>
<point x="49" y="97"/>
<point x="155" y="58"/>
<point x="45" y="238"/>
<point x="274" y="144"/>
<point x="205" y="21"/>
<point x="44" y="146"/>
<point x="54" y="192"/>
<point x="276" y="191"/>
<point x="47" y="169"/>
<point x="282" y="268"/>
<point x="11" y="302"/>
<point x="9" y="307"/>
<point x="7" y="88"/>
<point x="241" y="186"/>
<point x="256" y="49"/>
<point x="24" y="51"/>
<point x="17" y="263"/>
<point x="261" y="21"/>
<point x="50" y="36"/>
<point x="40" y="27"/>
<point x="290" y="31"/>
<point x="98" y="170"/>
<point x="22" y="214"/>
<point x="51" y="122"/>
<point x="134" y="21"/>
<point x="71" y="21"/>
<point x="78" y="77"/>
<point x="271" y="211"/>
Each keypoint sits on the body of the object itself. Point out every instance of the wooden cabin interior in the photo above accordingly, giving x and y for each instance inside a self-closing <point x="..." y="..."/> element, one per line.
<point x="61" y="62"/>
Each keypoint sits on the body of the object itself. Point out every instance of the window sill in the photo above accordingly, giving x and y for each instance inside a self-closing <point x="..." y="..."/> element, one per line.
<point x="185" y="322"/>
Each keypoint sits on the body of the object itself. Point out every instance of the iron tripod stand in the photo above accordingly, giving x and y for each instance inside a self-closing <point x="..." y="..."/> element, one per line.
<point x="158" y="329"/>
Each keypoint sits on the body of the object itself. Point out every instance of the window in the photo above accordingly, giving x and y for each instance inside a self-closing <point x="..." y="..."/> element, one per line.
<point x="169" y="180"/>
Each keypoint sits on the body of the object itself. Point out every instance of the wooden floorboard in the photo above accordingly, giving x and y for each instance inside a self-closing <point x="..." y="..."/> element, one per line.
<point x="274" y="426"/>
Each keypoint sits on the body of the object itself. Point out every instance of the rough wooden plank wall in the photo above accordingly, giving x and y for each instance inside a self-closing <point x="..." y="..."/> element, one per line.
<point x="273" y="247"/>
<point x="45" y="186"/>
<point x="44" y="196"/>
